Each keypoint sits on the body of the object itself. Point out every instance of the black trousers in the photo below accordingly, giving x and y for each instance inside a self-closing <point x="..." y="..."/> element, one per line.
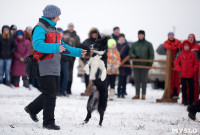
<point x="122" y="85"/>
<point x="47" y="100"/>
<point x="190" y="82"/>
<point x="111" y="81"/>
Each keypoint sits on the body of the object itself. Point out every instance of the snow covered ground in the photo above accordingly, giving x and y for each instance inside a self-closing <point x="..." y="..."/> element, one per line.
<point x="123" y="116"/>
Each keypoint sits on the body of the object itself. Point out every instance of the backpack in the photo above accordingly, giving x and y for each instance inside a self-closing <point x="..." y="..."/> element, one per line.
<point x="31" y="66"/>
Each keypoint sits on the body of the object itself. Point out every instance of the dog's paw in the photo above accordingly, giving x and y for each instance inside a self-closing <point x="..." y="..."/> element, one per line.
<point x="99" y="126"/>
<point x="111" y="99"/>
<point x="83" y="123"/>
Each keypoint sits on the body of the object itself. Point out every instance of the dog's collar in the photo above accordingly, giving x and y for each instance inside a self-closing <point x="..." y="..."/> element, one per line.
<point x="99" y="52"/>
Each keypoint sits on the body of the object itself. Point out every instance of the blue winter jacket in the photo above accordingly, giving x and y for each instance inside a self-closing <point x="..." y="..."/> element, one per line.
<point x="40" y="45"/>
<point x="50" y="66"/>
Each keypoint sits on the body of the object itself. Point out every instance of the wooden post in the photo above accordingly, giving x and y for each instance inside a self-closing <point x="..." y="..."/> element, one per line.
<point x="167" y="93"/>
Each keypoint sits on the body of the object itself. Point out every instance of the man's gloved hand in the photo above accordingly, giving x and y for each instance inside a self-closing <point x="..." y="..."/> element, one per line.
<point x="21" y="59"/>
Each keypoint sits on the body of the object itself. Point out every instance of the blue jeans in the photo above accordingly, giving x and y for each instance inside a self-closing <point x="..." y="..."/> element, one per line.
<point x="64" y="76"/>
<point x="5" y="65"/>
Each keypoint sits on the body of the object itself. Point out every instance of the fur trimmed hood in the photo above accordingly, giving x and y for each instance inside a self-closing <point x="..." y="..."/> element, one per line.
<point x="93" y="30"/>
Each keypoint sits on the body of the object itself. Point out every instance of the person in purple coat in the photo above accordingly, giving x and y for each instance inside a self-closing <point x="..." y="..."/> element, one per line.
<point x="18" y="67"/>
<point x="124" y="72"/>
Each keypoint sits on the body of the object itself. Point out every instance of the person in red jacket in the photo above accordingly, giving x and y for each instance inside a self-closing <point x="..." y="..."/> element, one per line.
<point x="174" y="45"/>
<point x="195" y="48"/>
<point x="187" y="64"/>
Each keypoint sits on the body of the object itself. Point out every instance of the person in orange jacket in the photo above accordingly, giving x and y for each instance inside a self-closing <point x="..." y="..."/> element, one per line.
<point x="187" y="64"/>
<point x="174" y="45"/>
<point x="113" y="64"/>
<point x="195" y="48"/>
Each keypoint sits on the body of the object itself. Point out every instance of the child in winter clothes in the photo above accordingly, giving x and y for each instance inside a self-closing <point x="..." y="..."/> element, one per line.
<point x="187" y="64"/>
<point x="123" y="48"/>
<point x="113" y="63"/>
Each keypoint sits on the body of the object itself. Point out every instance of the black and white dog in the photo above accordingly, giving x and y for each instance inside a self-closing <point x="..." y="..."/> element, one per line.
<point x="96" y="69"/>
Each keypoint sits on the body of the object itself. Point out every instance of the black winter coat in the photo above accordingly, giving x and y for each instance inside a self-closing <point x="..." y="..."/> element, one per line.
<point x="115" y="37"/>
<point x="124" y="52"/>
<point x="86" y="45"/>
<point x="7" y="47"/>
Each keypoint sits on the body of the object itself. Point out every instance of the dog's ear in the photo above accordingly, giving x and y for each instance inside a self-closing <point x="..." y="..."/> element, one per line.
<point x="99" y="36"/>
<point x="105" y="40"/>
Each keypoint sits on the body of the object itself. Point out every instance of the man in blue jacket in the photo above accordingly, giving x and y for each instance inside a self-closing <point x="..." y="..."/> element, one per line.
<point x="47" y="47"/>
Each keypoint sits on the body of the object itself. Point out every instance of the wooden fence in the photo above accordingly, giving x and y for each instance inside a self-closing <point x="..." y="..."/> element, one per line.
<point x="167" y="92"/>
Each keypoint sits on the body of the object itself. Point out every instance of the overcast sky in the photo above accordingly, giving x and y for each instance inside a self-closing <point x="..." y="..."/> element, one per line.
<point x="156" y="17"/>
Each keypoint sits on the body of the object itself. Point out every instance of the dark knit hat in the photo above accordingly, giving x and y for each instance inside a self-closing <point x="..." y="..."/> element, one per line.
<point x="51" y="11"/>
<point x="141" y="32"/>
<point x="121" y="35"/>
<point x="115" y="28"/>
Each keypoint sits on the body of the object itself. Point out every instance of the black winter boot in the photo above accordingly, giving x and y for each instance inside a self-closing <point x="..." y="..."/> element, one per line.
<point x="33" y="116"/>
<point x="185" y="103"/>
<point x="51" y="127"/>
<point x="8" y="84"/>
<point x="175" y="94"/>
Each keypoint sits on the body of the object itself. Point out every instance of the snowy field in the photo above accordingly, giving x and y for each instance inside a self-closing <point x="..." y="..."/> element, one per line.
<point x="123" y="116"/>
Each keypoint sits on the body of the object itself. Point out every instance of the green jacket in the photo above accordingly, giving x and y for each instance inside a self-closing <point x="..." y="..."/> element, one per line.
<point x="142" y="50"/>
